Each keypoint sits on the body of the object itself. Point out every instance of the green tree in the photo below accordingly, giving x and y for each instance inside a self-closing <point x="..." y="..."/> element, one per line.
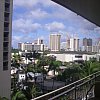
<point x="90" y="67"/>
<point x="19" y="95"/>
<point x="54" y="65"/>
<point x="16" y="60"/>
<point x="70" y="74"/>
<point x="3" y="98"/>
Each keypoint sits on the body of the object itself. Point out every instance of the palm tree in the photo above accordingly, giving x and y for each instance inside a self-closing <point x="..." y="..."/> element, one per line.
<point x="19" y="95"/>
<point x="16" y="60"/>
<point x="54" y="65"/>
<point x="90" y="67"/>
<point x="33" y="92"/>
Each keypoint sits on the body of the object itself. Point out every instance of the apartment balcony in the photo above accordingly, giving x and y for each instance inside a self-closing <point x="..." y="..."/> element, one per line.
<point x="7" y="1"/>
<point x="7" y="10"/>
<point x="6" y="29"/>
<point x="6" y="19"/>
<point x="5" y="49"/>
<point x="85" y="89"/>
<point x="6" y="39"/>
<point x="5" y="58"/>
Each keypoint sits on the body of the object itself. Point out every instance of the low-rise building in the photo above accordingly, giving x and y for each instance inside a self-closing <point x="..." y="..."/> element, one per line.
<point x="35" y="77"/>
<point x="21" y="77"/>
<point x="72" y="56"/>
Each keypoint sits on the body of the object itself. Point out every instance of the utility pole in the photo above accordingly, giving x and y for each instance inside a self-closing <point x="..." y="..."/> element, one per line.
<point x="43" y="69"/>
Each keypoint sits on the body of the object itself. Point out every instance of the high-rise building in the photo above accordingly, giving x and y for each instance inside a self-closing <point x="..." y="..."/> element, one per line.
<point x="5" y="47"/>
<point x="87" y="44"/>
<point x="96" y="47"/>
<point x="38" y="41"/>
<point x="74" y="44"/>
<point x="68" y="45"/>
<point x="55" y="42"/>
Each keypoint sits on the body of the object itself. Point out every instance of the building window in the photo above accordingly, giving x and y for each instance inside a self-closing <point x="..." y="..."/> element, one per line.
<point x="5" y="66"/>
<point x="78" y="56"/>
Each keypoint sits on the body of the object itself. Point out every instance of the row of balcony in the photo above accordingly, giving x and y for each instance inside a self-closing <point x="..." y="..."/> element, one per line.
<point x="6" y="39"/>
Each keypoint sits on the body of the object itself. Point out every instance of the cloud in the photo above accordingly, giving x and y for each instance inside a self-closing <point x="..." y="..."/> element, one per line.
<point x="97" y="30"/>
<point x="35" y="14"/>
<point x="32" y="3"/>
<point x="21" y="38"/>
<point x="25" y="26"/>
<point x="24" y="3"/>
<point x="55" y="26"/>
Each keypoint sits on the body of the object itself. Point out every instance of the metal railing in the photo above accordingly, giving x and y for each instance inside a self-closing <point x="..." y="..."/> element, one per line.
<point x="6" y="39"/>
<point x="7" y="1"/>
<point x="5" y="58"/>
<point x="6" y="19"/>
<point x="5" y="49"/>
<point x="7" y="9"/>
<point x="6" y="29"/>
<point x="74" y="91"/>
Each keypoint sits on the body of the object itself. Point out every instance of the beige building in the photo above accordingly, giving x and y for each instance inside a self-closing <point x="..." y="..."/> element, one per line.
<point x="55" y="42"/>
<point x="74" y="44"/>
<point x="5" y="47"/>
<point x="87" y="44"/>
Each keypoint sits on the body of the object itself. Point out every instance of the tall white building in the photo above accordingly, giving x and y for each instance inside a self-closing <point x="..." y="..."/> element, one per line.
<point x="74" y="44"/>
<point x="5" y="47"/>
<point x="55" y="42"/>
<point x="96" y="47"/>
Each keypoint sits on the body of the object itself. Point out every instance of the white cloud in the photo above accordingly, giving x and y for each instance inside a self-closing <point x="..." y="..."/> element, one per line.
<point x="25" y="3"/>
<point x="36" y="14"/>
<point x="97" y="30"/>
<point x="32" y="3"/>
<point x="25" y="26"/>
<point x="55" y="26"/>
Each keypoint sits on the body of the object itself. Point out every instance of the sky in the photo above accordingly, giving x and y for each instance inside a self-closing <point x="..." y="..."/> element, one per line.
<point x="34" y="19"/>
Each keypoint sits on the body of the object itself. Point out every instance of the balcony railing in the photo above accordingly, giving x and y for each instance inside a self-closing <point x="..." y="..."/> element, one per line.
<point x="6" y="19"/>
<point x="6" y="29"/>
<point x="5" y="58"/>
<point x="74" y="91"/>
<point x="7" y="1"/>
<point x="7" y="9"/>
<point x="6" y="39"/>
<point x="5" y="49"/>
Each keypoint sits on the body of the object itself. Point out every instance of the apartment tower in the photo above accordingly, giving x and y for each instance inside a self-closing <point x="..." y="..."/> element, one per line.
<point x="74" y="44"/>
<point x="55" y="42"/>
<point x="87" y="44"/>
<point x="5" y="47"/>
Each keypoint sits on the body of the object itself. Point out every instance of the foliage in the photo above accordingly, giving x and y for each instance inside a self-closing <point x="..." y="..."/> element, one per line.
<point x="90" y="67"/>
<point x="19" y="95"/>
<point x="15" y="60"/>
<point x="15" y="50"/>
<point x="3" y="98"/>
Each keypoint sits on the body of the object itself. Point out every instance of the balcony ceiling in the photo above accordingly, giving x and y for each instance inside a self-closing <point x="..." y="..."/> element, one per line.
<point x="89" y="9"/>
